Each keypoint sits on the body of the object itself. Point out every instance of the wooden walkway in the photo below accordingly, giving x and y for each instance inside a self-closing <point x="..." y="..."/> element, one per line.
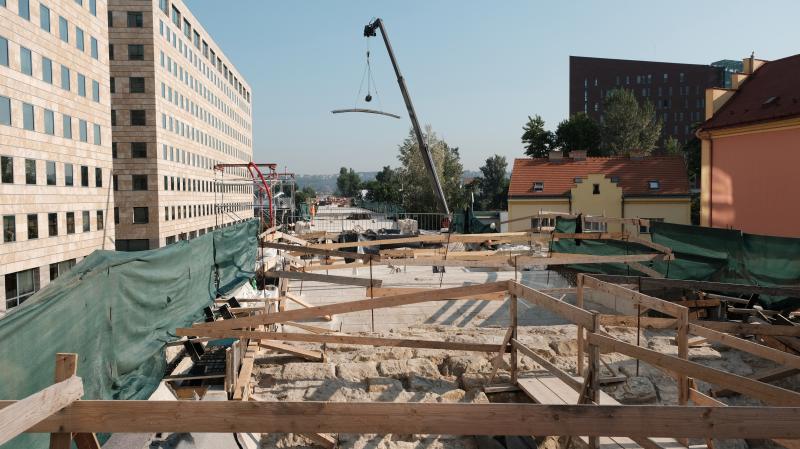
<point x="545" y="388"/>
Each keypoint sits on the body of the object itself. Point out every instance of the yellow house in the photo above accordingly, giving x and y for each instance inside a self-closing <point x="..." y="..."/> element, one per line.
<point x="653" y="187"/>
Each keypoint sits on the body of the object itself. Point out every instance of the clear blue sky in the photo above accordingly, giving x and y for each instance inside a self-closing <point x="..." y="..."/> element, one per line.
<point x="475" y="69"/>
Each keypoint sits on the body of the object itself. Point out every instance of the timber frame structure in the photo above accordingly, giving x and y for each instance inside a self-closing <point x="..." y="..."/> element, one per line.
<point x="56" y="410"/>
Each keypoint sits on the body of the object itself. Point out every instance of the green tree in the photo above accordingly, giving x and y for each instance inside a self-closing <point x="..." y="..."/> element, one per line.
<point x="538" y="141"/>
<point x="672" y="147"/>
<point x="348" y="183"/>
<point x="304" y="195"/>
<point x="579" y="132"/>
<point x="417" y="190"/>
<point x="493" y="185"/>
<point x="628" y="125"/>
<point x="385" y="187"/>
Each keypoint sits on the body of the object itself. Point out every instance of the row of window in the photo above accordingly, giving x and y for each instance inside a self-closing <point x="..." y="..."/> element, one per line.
<point x="32" y="225"/>
<point x="22" y="285"/>
<point x="52" y="173"/>
<point x="184" y="236"/>
<point x="653" y="184"/>
<point x="46" y="123"/>
<point x="187" y="131"/>
<point x="63" y="32"/>
<point x="137" y="117"/>
<point x="65" y="74"/>
<point x="202" y="210"/>
<point x="139" y="182"/>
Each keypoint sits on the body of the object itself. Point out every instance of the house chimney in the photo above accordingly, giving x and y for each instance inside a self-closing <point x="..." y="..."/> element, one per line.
<point x="578" y="155"/>
<point x="555" y="155"/>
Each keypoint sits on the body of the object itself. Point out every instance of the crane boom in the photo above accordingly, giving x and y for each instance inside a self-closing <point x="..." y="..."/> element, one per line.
<point x="370" y="31"/>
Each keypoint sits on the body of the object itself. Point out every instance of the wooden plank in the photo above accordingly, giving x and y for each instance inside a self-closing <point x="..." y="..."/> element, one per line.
<point x="66" y="367"/>
<point x="241" y="389"/>
<point x="309" y="327"/>
<point x="431" y="238"/>
<point x="20" y="416"/>
<point x="345" y="280"/>
<point x="651" y="283"/>
<point x="766" y="375"/>
<point x="497" y="360"/>
<point x="783" y="358"/>
<point x="355" y="306"/>
<point x="180" y="377"/>
<point x="314" y="356"/>
<point x="634" y="297"/>
<point x="290" y="238"/>
<point x="645" y="269"/>
<point x="343" y="339"/>
<point x="565" y="310"/>
<point x="86" y="441"/>
<point x="321" y="439"/>
<point x="768" y="393"/>
<point x="379" y="292"/>
<point x="269" y="231"/>
<point x="423" y="418"/>
<point x="634" y="321"/>
<point x="299" y="301"/>
<point x="335" y="266"/>
<point x="570" y="259"/>
<point x="319" y="251"/>
<point x="544" y="363"/>
<point x="727" y="327"/>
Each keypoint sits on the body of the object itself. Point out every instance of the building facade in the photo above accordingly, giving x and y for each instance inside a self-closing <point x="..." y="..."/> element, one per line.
<point x="55" y="141"/>
<point x="677" y="91"/>
<point x="179" y="108"/>
<point x="655" y="188"/>
<point x="749" y="150"/>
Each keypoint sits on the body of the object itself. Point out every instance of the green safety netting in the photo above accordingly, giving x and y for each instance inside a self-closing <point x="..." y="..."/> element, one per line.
<point x="116" y="310"/>
<point x="467" y="223"/>
<point x="701" y="254"/>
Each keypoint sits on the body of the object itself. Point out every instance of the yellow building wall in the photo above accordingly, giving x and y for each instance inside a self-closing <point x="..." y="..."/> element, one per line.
<point x="672" y="210"/>
<point x="608" y="202"/>
<point x="519" y="208"/>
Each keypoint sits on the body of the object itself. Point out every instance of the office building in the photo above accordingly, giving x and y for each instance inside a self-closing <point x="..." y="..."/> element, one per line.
<point x="677" y="91"/>
<point x="179" y="107"/>
<point x="55" y="141"/>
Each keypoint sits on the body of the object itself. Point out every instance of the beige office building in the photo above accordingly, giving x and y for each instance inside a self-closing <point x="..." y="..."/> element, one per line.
<point x="55" y="141"/>
<point x="179" y="107"/>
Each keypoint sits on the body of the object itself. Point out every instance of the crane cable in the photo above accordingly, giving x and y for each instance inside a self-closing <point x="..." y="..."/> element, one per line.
<point x="371" y="85"/>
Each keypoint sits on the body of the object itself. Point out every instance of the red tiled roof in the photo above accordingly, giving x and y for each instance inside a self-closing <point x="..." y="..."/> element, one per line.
<point x="634" y="175"/>
<point x="770" y="93"/>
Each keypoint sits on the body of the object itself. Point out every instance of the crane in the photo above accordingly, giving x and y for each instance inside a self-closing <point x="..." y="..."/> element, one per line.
<point x="370" y="31"/>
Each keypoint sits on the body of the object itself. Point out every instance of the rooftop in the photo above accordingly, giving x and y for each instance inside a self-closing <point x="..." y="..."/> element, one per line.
<point x="633" y="175"/>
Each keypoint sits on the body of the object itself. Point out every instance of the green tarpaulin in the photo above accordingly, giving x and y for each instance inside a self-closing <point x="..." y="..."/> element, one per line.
<point x="116" y="310"/>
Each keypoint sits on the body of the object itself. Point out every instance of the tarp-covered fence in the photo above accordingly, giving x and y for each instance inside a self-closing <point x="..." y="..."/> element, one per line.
<point x="701" y="254"/>
<point x="116" y="310"/>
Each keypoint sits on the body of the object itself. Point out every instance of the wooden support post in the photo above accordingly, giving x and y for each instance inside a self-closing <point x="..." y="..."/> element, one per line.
<point x="514" y="320"/>
<point x="497" y="361"/>
<point x="579" y="303"/>
<point x="593" y="375"/>
<point x="683" y="352"/>
<point x="20" y="416"/>
<point x="66" y="367"/>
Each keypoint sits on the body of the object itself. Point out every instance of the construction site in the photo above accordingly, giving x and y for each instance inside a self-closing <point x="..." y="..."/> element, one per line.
<point x="360" y="329"/>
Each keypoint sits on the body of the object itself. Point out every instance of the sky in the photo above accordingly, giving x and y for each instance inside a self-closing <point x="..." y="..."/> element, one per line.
<point x="475" y="69"/>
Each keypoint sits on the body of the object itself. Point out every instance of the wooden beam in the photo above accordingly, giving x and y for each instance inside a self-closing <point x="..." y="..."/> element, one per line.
<point x="634" y="297"/>
<point x="321" y="439"/>
<point x="721" y="326"/>
<point x="314" y="356"/>
<point x="20" y="416"/>
<point x="768" y="393"/>
<point x="299" y="301"/>
<point x="309" y="327"/>
<point x="290" y="238"/>
<point x="345" y="280"/>
<point x="241" y="390"/>
<point x="342" y="339"/>
<point x="86" y="440"/>
<point x="379" y="292"/>
<point x="544" y="363"/>
<point x="571" y="259"/>
<point x="423" y="418"/>
<point x="335" y="266"/>
<point x="650" y="283"/>
<point x="66" y="367"/>
<point x="765" y="352"/>
<point x="319" y="251"/>
<point x="565" y="310"/>
<point x="645" y="269"/>
<point x="355" y="306"/>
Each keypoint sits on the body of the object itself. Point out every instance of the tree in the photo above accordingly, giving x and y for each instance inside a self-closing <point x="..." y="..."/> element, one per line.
<point x="672" y="147"/>
<point x="417" y="190"/>
<point x="348" y="183"/>
<point x="579" y="132"/>
<point x="538" y="140"/>
<point x="304" y="195"/>
<point x="493" y="185"/>
<point x="385" y="187"/>
<point x="627" y="125"/>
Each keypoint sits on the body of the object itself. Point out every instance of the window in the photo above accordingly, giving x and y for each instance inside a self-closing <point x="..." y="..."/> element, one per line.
<point x="5" y="110"/>
<point x="654" y="184"/>
<point x="538" y="186"/>
<point x="110" y="18"/>
<point x="47" y="70"/>
<point x="164" y="4"/>
<point x="84" y="176"/>
<point x="113" y="150"/>
<point x="136" y="85"/>
<point x="24" y="9"/>
<point x="68" y="179"/>
<point x="30" y="171"/>
<point x="66" y="122"/>
<point x="197" y="40"/>
<point x="113" y="85"/>
<point x="645" y="229"/>
<point x="64" y="78"/>
<point x="136" y="52"/>
<point x="6" y="169"/>
<point x="135" y="19"/>
<point x="176" y="17"/>
<point x="93" y="46"/>
<point x="111" y="52"/>
<point x="3" y="51"/>
<point x="116" y="215"/>
<point x="93" y="7"/>
<point x="187" y="28"/>
<point x="21" y="286"/>
<point x="70" y="222"/>
<point x="132" y="245"/>
<point x="595" y="189"/>
<point x="140" y="215"/>
<point x="95" y="91"/>
<point x="79" y="40"/>
<point x="595" y="226"/>
<point x="44" y="17"/>
<point x="50" y="167"/>
<point x="25" y="61"/>
<point x="33" y="226"/>
<point x="100" y="224"/>
<point x="138" y="149"/>
<point x="81" y="85"/>
<point x="9" y="228"/>
<point x="138" y="117"/>
<point x="63" y="29"/>
<point x="139" y="182"/>
<point x="58" y="269"/>
<point x="87" y="225"/>
<point x="98" y="177"/>
<point x="52" y="224"/>
<point x="96" y="134"/>
<point x="577" y="180"/>
<point x="28" y="117"/>
<point x="115" y="182"/>
<point x="83" y="131"/>
<point x="113" y="117"/>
